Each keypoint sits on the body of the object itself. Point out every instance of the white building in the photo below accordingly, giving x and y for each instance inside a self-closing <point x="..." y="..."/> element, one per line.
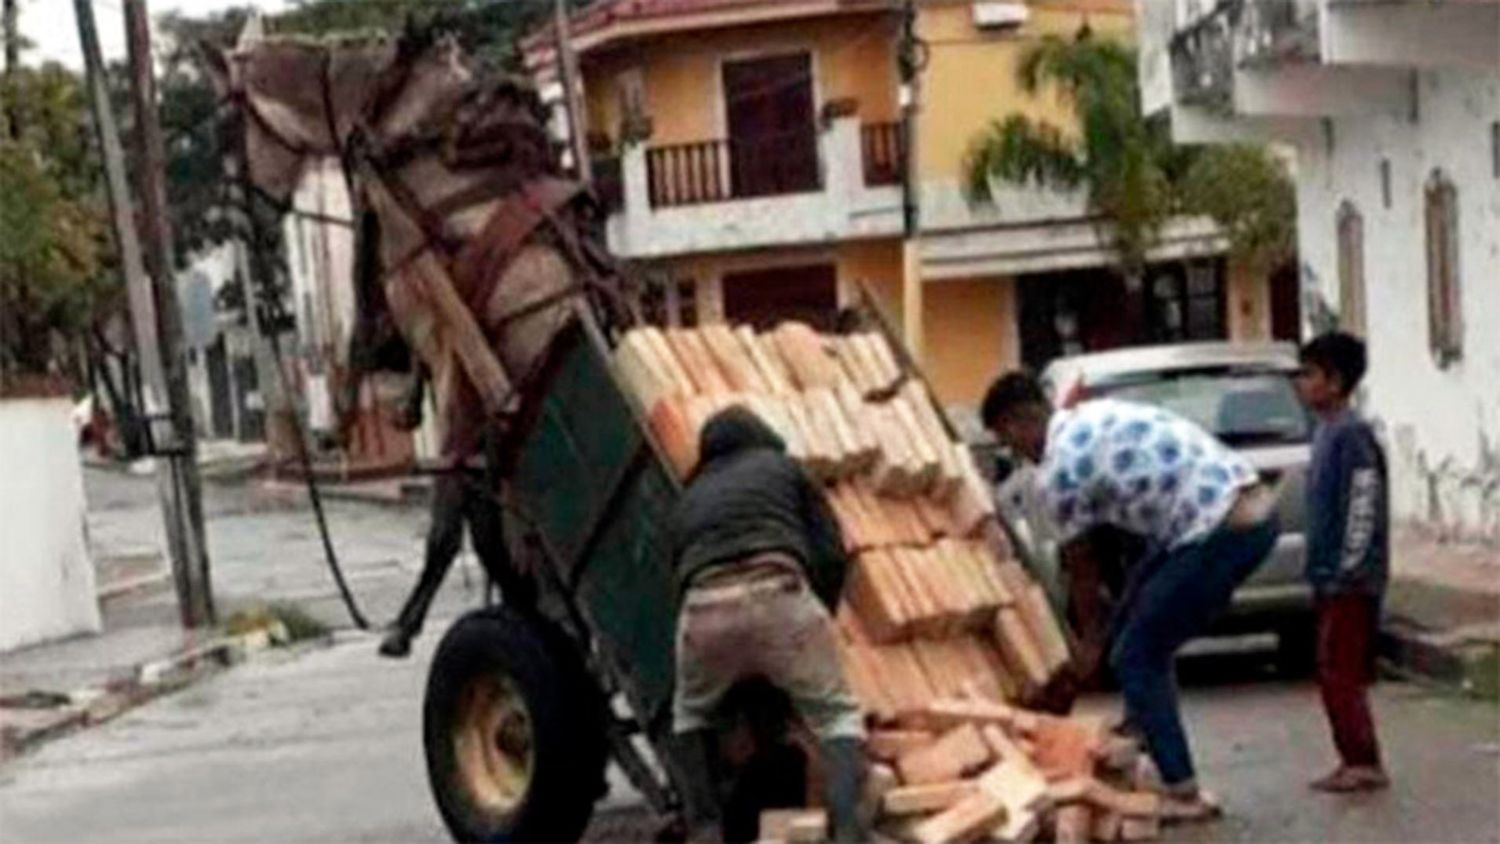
<point x="1393" y="108"/>
<point x="225" y="385"/>
<point x="320" y="253"/>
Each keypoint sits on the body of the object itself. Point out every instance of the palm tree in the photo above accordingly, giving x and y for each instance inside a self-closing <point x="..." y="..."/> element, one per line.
<point x="1134" y="178"/>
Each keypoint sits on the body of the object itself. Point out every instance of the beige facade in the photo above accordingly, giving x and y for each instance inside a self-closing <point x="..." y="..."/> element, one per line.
<point x="716" y="221"/>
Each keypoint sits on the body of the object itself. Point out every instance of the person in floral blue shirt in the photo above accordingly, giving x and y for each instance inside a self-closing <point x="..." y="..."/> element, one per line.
<point x="1205" y="518"/>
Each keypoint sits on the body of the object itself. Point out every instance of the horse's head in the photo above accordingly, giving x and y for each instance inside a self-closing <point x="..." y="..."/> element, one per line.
<point x="433" y="157"/>
<point x="304" y="101"/>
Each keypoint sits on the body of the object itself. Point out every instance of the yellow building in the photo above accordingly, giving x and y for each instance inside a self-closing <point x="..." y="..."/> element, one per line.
<point x="753" y="155"/>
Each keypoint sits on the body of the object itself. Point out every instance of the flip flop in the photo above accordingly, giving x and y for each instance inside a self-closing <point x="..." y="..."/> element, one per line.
<point x="1203" y="806"/>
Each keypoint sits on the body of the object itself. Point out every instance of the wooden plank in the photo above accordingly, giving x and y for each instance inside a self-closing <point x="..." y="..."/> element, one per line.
<point x="803" y="826"/>
<point x="1107" y="826"/>
<point x="890" y="745"/>
<point x="863" y="346"/>
<point x="463" y="333"/>
<point x="967" y="820"/>
<point x="927" y="798"/>
<point x="875" y="599"/>
<point x="957" y="752"/>
<point x="729" y="355"/>
<point x="1048" y="633"/>
<point x="1140" y="829"/>
<point x="1071" y="790"/>
<point x="853" y="408"/>
<point x="806" y="356"/>
<point x="643" y="381"/>
<point x="1020" y="651"/>
<point x="1018" y="784"/>
<point x="663" y="354"/>
<point x="1131" y="804"/>
<point x="951" y="712"/>
<point x="766" y="363"/>
<point x="1066" y="747"/>
<point x="1073" y="824"/>
<point x="675" y="433"/>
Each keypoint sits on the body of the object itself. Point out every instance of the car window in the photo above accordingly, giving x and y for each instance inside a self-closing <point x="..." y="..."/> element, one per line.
<point x="1240" y="408"/>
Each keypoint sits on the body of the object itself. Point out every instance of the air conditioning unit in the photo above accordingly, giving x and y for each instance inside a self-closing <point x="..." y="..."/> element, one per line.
<point x="994" y="14"/>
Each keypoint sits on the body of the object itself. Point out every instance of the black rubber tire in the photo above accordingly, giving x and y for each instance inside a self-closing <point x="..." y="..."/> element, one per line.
<point x="1297" y="648"/>
<point x="562" y="702"/>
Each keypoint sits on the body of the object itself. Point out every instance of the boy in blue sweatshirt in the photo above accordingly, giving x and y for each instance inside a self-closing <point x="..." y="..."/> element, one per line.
<point x="1348" y="553"/>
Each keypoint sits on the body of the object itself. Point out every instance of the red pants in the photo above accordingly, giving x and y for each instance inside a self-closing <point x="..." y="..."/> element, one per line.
<point x="1347" y="625"/>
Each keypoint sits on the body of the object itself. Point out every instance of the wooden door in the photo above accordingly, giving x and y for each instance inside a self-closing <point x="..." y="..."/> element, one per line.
<point x="763" y="298"/>
<point x="1286" y="303"/>
<point x="773" y="145"/>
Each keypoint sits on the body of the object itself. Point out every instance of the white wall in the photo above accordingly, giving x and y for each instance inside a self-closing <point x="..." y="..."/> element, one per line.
<point x="46" y="577"/>
<point x="320" y="258"/>
<point x="1442" y="426"/>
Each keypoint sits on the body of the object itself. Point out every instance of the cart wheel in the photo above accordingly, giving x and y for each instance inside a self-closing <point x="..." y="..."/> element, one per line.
<point x="514" y="740"/>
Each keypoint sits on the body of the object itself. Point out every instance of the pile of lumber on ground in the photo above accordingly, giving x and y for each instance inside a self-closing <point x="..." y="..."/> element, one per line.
<point x="965" y="769"/>
<point x="935" y="603"/>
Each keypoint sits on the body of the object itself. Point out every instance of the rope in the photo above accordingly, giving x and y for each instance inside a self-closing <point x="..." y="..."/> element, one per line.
<point x="305" y="460"/>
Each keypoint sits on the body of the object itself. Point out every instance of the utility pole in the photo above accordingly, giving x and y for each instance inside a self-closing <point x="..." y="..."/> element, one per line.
<point x="176" y="478"/>
<point x="12" y="37"/>
<point x="567" y="75"/>
<point x="198" y="604"/>
<point x="911" y="56"/>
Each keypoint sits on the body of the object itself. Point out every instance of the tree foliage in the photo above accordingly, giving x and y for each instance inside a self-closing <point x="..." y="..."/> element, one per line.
<point x="1134" y="178"/>
<point x="198" y="191"/>
<point x="1246" y="191"/>
<point x="54" y="251"/>
<point x="489" y="30"/>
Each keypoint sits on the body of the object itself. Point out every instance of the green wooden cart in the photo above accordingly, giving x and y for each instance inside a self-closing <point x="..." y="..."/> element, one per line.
<point x="523" y="712"/>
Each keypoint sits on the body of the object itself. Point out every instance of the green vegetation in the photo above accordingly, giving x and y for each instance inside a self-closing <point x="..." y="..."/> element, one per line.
<point x="1133" y="176"/>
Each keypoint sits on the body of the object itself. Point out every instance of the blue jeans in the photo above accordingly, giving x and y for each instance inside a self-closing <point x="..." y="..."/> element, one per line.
<point x="1179" y="596"/>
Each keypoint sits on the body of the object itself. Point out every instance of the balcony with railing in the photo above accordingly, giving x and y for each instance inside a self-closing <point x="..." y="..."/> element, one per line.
<point x="737" y="168"/>
<point x="1203" y="59"/>
<point x="1272" y="31"/>
<point x="1239" y="34"/>
<point x="839" y="179"/>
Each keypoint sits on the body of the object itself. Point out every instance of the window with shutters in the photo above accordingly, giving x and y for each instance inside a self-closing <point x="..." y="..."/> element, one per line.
<point x="1351" y="242"/>
<point x="1444" y="278"/>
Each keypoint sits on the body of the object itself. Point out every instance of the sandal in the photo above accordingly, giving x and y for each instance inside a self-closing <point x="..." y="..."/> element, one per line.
<point x="1196" y="807"/>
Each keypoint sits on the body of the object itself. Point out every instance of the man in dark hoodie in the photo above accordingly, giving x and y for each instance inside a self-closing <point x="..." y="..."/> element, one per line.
<point x="760" y="563"/>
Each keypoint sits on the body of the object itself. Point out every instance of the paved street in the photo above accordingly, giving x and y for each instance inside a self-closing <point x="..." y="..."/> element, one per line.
<point x="325" y="746"/>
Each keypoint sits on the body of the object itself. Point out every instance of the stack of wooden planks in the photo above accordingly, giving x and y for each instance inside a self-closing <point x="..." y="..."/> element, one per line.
<point x="935" y="604"/>
<point x="944" y="636"/>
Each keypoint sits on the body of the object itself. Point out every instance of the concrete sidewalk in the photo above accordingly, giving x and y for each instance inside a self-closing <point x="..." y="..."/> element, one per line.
<point x="1443" y="611"/>
<point x="264" y="549"/>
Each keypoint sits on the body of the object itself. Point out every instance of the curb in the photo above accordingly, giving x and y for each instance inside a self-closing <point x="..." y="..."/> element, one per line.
<point x="411" y="494"/>
<point x="1472" y="668"/>
<point x="94" y="706"/>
